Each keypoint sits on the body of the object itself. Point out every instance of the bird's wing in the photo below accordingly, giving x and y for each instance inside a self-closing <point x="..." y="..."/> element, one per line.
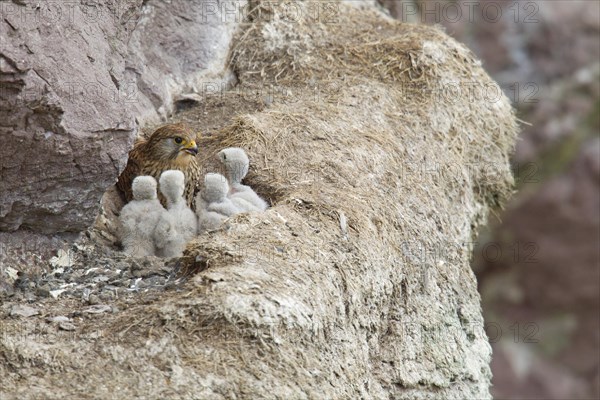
<point x="192" y="186"/>
<point x="132" y="170"/>
<point x="163" y="231"/>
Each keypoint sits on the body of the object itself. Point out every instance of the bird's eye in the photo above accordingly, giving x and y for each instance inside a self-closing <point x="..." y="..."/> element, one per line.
<point x="224" y="157"/>
<point x="178" y="140"/>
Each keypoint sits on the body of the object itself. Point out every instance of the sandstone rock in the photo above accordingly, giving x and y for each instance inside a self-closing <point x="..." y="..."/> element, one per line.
<point x="77" y="79"/>
<point x="66" y="128"/>
<point x="567" y="242"/>
<point x="21" y="310"/>
<point x="193" y="40"/>
<point x="67" y="326"/>
<point x="549" y="281"/>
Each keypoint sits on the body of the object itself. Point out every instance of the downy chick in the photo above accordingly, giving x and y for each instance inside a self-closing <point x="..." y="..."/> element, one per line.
<point x="179" y="224"/>
<point x="140" y="217"/>
<point x="236" y="165"/>
<point x="212" y="204"/>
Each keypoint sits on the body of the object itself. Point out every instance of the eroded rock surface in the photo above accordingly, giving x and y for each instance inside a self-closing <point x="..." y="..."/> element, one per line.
<point x="76" y="80"/>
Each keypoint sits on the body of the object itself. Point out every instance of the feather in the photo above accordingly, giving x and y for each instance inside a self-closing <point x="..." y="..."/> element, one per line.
<point x="161" y="152"/>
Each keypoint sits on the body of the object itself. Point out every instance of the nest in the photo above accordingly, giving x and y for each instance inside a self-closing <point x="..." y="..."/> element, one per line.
<point x="383" y="149"/>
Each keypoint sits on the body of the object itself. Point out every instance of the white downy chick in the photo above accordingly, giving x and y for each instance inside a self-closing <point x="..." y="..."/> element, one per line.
<point x="212" y="204"/>
<point x="179" y="224"/>
<point x="140" y="217"/>
<point x="236" y="164"/>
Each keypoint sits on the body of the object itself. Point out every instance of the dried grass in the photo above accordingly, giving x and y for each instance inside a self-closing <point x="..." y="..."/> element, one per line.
<point x="360" y="243"/>
<point x="356" y="283"/>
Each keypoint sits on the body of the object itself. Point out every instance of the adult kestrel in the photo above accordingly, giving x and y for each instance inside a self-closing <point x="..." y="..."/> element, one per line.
<point x="169" y="147"/>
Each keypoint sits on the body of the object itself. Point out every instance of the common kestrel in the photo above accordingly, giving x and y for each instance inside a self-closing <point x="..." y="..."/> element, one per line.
<point x="169" y="147"/>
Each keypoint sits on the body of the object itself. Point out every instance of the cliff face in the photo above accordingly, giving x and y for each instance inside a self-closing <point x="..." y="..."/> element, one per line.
<point x="381" y="147"/>
<point x="74" y="79"/>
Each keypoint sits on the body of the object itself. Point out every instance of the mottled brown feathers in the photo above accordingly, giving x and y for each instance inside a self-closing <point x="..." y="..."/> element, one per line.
<point x="169" y="147"/>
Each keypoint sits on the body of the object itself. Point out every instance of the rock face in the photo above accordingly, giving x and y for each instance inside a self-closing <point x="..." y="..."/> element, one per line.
<point x="551" y="289"/>
<point x="179" y="47"/>
<point x="76" y="80"/>
<point x="65" y="127"/>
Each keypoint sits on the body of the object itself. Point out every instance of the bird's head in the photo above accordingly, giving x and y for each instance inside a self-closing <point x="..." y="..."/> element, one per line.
<point x="175" y="142"/>
<point x="172" y="185"/>
<point x="215" y="187"/>
<point x="144" y="188"/>
<point x="236" y="163"/>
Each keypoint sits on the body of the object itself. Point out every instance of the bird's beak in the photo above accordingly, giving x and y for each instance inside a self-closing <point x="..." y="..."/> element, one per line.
<point x="191" y="148"/>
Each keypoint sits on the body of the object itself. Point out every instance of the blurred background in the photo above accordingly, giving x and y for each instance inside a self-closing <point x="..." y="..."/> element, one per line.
<point x="538" y="263"/>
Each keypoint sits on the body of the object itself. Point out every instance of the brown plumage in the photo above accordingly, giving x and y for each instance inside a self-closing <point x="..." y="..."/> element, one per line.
<point x="169" y="147"/>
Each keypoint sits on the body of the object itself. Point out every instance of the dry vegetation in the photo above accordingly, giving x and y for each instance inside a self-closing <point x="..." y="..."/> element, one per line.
<point x="356" y="283"/>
